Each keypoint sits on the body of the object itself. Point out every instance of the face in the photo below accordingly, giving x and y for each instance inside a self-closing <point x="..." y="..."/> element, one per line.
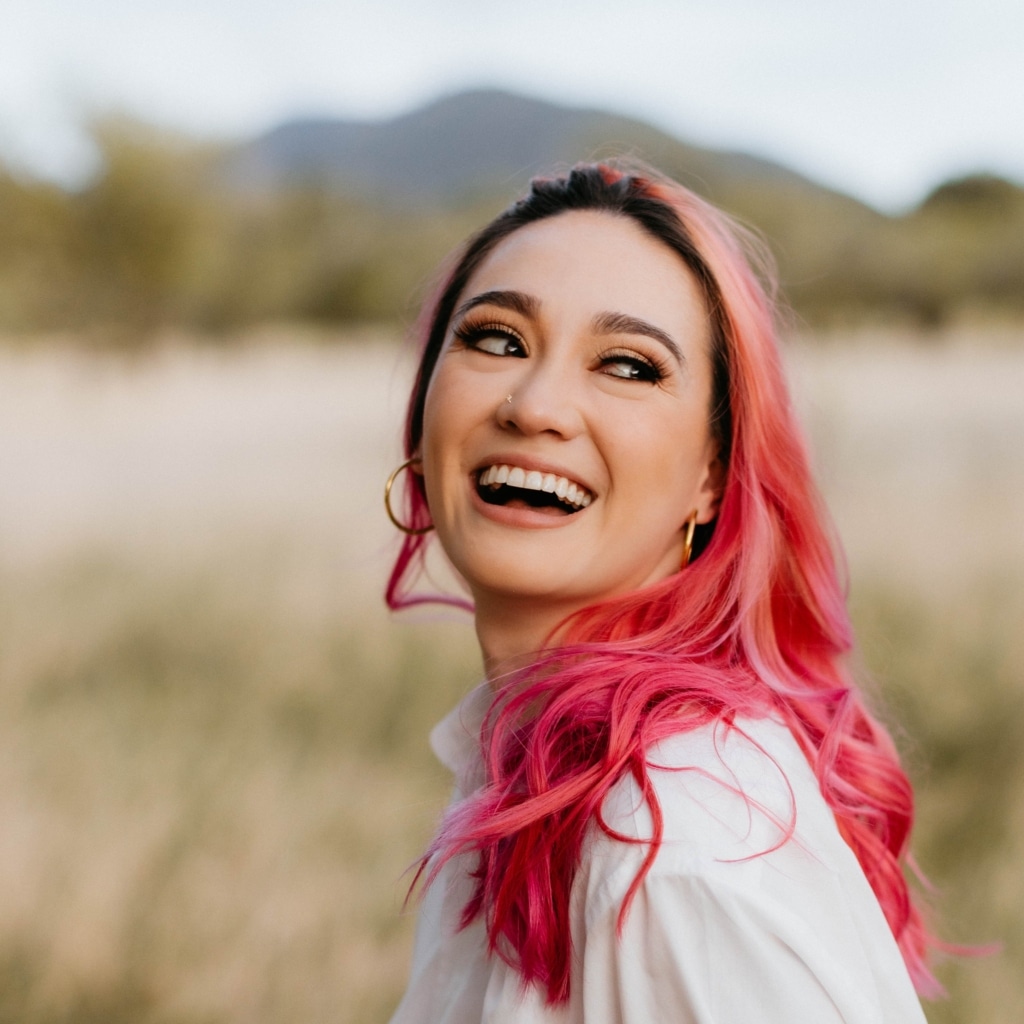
<point x="566" y="437"/>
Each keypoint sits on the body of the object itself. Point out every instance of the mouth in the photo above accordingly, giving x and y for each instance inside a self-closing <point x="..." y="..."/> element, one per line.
<point x="513" y="486"/>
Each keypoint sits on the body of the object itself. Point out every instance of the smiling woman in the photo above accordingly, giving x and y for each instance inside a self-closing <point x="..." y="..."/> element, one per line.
<point x="671" y="801"/>
<point x="599" y="336"/>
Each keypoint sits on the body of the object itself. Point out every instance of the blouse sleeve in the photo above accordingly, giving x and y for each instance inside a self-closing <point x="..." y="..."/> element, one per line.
<point x="696" y="951"/>
<point x="738" y="921"/>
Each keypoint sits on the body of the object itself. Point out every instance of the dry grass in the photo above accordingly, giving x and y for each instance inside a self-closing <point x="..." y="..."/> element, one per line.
<point x="210" y="796"/>
<point x="215" y="769"/>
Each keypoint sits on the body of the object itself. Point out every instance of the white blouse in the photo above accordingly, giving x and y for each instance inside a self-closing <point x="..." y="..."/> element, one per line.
<point x="720" y="932"/>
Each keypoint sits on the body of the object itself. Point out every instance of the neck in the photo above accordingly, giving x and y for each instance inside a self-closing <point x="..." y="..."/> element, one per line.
<point x="511" y="633"/>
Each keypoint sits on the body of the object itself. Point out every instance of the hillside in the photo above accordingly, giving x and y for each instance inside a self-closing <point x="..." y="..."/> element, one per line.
<point x="339" y="221"/>
<point x="475" y="142"/>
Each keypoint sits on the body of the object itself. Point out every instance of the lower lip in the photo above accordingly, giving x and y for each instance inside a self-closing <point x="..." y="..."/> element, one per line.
<point x="522" y="516"/>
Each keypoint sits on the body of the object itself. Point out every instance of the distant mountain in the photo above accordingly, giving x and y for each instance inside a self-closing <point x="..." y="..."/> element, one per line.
<point x="343" y="222"/>
<point x="469" y="153"/>
<point x="480" y="142"/>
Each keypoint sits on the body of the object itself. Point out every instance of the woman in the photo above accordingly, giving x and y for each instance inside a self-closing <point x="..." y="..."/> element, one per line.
<point x="671" y="802"/>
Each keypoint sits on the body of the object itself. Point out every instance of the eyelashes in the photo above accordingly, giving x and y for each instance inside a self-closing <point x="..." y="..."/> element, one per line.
<point x="629" y="365"/>
<point x="496" y="338"/>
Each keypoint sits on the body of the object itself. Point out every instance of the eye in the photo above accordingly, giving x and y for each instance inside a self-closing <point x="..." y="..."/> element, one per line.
<point x="631" y="366"/>
<point x="495" y="339"/>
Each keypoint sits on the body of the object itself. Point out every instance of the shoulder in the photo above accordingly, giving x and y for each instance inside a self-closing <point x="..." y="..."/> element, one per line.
<point x="725" y="790"/>
<point x="751" y="872"/>
<point x="741" y="815"/>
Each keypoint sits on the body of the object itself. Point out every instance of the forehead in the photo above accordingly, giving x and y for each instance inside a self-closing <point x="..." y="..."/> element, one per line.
<point x="586" y="261"/>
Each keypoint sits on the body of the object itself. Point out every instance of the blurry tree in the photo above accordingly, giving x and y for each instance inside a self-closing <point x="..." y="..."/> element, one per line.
<point x="134" y="229"/>
<point x="160" y="237"/>
<point x="970" y="235"/>
<point x="35" y="267"/>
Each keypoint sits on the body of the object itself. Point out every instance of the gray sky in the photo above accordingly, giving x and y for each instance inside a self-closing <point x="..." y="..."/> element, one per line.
<point x="883" y="98"/>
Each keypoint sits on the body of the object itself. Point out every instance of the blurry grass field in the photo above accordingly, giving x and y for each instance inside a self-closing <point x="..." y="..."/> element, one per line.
<point x="214" y="766"/>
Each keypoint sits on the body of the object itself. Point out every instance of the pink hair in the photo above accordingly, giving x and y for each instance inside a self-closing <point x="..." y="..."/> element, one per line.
<point x="756" y="625"/>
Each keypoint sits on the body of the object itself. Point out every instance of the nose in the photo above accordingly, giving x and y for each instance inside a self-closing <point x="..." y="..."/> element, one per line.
<point x="542" y="400"/>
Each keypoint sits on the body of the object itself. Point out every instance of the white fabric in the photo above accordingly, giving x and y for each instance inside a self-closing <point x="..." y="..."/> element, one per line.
<point x="721" y="932"/>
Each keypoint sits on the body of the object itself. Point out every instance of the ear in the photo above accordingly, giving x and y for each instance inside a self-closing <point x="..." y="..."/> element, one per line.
<point x="712" y="485"/>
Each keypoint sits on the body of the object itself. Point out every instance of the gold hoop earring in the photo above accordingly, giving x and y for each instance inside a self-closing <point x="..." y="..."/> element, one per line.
<point x="387" y="502"/>
<point x="691" y="524"/>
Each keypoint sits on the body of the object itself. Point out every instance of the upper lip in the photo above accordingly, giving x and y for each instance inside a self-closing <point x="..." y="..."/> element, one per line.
<point x="530" y="463"/>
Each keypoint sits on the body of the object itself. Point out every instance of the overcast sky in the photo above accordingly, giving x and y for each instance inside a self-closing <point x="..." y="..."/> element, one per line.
<point x="883" y="98"/>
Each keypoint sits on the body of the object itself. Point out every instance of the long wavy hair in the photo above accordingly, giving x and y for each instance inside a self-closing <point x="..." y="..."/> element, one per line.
<point x="756" y="624"/>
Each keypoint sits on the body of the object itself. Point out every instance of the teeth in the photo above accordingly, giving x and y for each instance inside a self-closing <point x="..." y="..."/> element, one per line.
<point x="532" y="480"/>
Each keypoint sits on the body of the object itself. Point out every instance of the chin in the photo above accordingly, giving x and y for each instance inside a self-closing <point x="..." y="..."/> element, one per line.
<point x="520" y="578"/>
<point x="547" y="586"/>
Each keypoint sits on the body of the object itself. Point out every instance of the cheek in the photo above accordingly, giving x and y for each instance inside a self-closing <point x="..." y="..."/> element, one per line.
<point x="430" y="447"/>
<point x="448" y="424"/>
<point x="459" y="401"/>
<point x="660" y="465"/>
<point x="432" y="450"/>
<point x="437" y="409"/>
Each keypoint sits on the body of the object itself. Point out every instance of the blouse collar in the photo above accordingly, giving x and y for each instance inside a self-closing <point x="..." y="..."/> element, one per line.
<point x="455" y="740"/>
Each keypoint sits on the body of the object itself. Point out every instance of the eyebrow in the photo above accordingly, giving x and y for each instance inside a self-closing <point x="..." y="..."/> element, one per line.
<point x="622" y="323"/>
<point x="518" y="302"/>
<point x="604" y="323"/>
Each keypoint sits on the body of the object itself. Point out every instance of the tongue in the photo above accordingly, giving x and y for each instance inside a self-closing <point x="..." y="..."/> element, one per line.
<point x="549" y="510"/>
